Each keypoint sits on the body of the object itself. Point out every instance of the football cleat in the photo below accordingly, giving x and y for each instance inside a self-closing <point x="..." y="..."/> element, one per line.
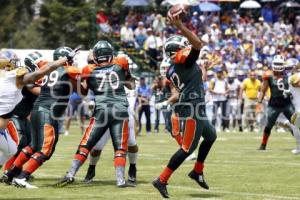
<point x="7" y="179"/>
<point x="65" y="181"/>
<point x="262" y="147"/>
<point x="161" y="187"/>
<point x="296" y="151"/>
<point x="18" y="182"/>
<point x="132" y="175"/>
<point x="199" y="178"/>
<point x="125" y="184"/>
<point x="90" y="175"/>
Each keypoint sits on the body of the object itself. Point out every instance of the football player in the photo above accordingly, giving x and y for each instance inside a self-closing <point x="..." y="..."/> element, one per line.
<point x="132" y="145"/>
<point x="280" y="100"/>
<point x="107" y="80"/>
<point x="19" y="125"/>
<point x="294" y="84"/>
<point x="186" y="76"/>
<point x="48" y="108"/>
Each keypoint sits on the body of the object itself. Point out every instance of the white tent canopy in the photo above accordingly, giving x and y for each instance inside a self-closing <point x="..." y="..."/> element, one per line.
<point x="250" y="4"/>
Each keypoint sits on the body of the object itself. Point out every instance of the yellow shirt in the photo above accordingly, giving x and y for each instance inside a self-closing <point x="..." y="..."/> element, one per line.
<point x="251" y="88"/>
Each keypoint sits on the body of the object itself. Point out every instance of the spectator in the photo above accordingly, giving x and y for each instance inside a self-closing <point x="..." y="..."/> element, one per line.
<point x="159" y="24"/>
<point x="102" y="21"/>
<point x="219" y="89"/>
<point x="143" y="97"/>
<point x="127" y="36"/>
<point x="140" y="34"/>
<point x="152" y="45"/>
<point x="157" y="90"/>
<point x="250" y="89"/>
<point x="75" y="105"/>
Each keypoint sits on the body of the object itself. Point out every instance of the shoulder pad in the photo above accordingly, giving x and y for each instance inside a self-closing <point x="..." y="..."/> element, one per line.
<point x="121" y="61"/>
<point x="180" y="56"/>
<point x="87" y="70"/>
<point x="266" y="75"/>
<point x="73" y="72"/>
<point x="21" y="71"/>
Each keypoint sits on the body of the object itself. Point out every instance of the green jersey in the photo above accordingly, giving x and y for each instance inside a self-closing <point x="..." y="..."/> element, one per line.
<point x="107" y="83"/>
<point x="186" y="76"/>
<point x="280" y="95"/>
<point x="56" y="90"/>
<point x="24" y="108"/>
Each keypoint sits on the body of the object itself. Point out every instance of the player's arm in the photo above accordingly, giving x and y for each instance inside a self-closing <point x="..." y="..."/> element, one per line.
<point x="130" y="83"/>
<point x="26" y="78"/>
<point x="188" y="58"/>
<point x="192" y="38"/>
<point x="35" y="90"/>
<point x="263" y="90"/>
<point x="171" y="100"/>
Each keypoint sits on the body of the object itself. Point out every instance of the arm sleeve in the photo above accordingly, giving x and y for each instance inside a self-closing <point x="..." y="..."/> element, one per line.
<point x="192" y="57"/>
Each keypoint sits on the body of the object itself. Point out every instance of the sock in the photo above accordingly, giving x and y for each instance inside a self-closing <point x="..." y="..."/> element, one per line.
<point x="9" y="163"/>
<point x="22" y="157"/>
<point x="120" y="161"/>
<point x="32" y="165"/>
<point x="76" y="164"/>
<point x="198" y="167"/>
<point x="120" y="175"/>
<point x="165" y="175"/>
<point x="265" y="139"/>
<point x="94" y="160"/>
<point x="132" y="157"/>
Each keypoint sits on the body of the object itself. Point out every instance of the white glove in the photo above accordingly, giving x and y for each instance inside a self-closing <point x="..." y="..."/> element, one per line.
<point x="159" y="106"/>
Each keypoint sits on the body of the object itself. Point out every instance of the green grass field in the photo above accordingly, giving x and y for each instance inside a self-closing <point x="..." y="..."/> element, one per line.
<point x="234" y="170"/>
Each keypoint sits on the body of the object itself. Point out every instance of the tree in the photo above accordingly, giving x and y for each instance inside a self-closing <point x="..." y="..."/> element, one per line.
<point x="67" y="23"/>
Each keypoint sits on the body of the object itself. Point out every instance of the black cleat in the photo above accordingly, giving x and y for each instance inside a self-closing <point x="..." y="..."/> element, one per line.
<point x="64" y="181"/>
<point x="90" y="175"/>
<point x="161" y="187"/>
<point x="262" y="147"/>
<point x="132" y="175"/>
<point x="199" y="178"/>
<point x="7" y="179"/>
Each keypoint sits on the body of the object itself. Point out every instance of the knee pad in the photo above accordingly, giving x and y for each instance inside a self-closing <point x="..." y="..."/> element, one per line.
<point x="267" y="130"/>
<point x="28" y="151"/>
<point x="40" y="157"/>
<point x="133" y="149"/>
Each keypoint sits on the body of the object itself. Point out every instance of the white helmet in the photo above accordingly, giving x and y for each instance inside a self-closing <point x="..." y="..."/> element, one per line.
<point x="164" y="66"/>
<point x="278" y="63"/>
<point x="291" y="63"/>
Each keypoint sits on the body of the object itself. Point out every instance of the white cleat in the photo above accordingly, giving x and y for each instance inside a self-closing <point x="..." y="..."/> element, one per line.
<point x="22" y="183"/>
<point x="296" y="151"/>
<point x="191" y="157"/>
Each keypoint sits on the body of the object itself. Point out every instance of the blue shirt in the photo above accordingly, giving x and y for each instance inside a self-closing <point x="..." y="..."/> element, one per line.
<point x="144" y="91"/>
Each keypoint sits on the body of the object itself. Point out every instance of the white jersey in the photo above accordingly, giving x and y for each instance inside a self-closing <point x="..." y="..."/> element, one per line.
<point x="10" y="95"/>
<point x="233" y="89"/>
<point x="295" y="91"/>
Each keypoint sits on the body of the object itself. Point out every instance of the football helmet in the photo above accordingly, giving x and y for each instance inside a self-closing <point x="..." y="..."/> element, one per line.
<point x="103" y="52"/>
<point x="278" y="63"/>
<point x="31" y="61"/>
<point x="174" y="44"/>
<point x="291" y="63"/>
<point x="62" y="52"/>
<point x="9" y="60"/>
<point x="164" y="66"/>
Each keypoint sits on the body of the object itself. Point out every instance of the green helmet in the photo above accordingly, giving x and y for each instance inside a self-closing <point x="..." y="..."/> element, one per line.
<point x="174" y="44"/>
<point x="103" y="52"/>
<point x="61" y="52"/>
<point x="31" y="60"/>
